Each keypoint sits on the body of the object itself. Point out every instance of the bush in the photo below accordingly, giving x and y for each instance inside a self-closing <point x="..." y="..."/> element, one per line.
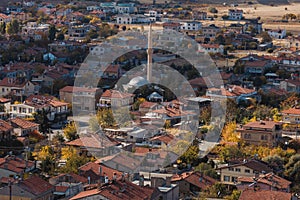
<point x="270" y="50"/>
<point x="212" y="10"/>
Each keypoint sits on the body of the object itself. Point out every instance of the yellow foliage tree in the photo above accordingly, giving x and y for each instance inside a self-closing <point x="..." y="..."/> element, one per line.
<point x="229" y="133"/>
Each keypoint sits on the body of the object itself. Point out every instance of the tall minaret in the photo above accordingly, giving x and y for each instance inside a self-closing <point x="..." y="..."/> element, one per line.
<point x="149" y="52"/>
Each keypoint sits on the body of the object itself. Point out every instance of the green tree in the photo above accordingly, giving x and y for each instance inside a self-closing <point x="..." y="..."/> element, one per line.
<point x="60" y="37"/>
<point x="52" y="33"/>
<point x="234" y="196"/>
<point x="70" y="131"/>
<point x="41" y="117"/>
<point x="293" y="169"/>
<point x="207" y="170"/>
<point x="191" y="155"/>
<point x="275" y="162"/>
<point x="2" y="28"/>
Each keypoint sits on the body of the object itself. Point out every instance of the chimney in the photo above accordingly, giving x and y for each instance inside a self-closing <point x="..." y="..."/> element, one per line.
<point x="141" y="181"/>
<point x="114" y="178"/>
<point x="123" y="177"/>
<point x="168" y="181"/>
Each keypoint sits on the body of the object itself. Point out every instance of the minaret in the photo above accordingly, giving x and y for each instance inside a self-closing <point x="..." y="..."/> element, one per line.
<point x="149" y="52"/>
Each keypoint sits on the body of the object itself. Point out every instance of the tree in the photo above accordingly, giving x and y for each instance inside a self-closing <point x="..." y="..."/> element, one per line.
<point x="212" y="10"/>
<point x="229" y="134"/>
<point x="220" y="39"/>
<point x="2" y="28"/>
<point x="191" y="155"/>
<point x="266" y="38"/>
<point x="293" y="169"/>
<point x="263" y="112"/>
<point x="105" y="118"/>
<point x="234" y="196"/>
<point x="207" y="170"/>
<point x="47" y="157"/>
<point x="70" y="131"/>
<point x="275" y="162"/>
<point x="60" y="36"/>
<point x="52" y="33"/>
<point x="290" y="102"/>
<point x="74" y="160"/>
<point x="41" y="117"/>
<point x="13" y="27"/>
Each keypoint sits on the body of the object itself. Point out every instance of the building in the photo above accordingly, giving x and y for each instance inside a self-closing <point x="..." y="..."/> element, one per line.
<point x="125" y="8"/>
<point x="211" y="48"/>
<point x="235" y="14"/>
<point x="210" y="31"/>
<point x="290" y="85"/>
<point x="119" y="189"/>
<point x="5" y="131"/>
<point x="250" y="194"/>
<point x="35" y="31"/>
<point x="23" y="127"/>
<point x="191" y="26"/>
<point x="29" y="189"/>
<point x="115" y="98"/>
<point x="83" y="98"/>
<point x="269" y="181"/>
<point x="229" y="174"/>
<point x="12" y="166"/>
<point x="171" y="26"/>
<point x="16" y="86"/>
<point x="192" y="183"/>
<point x="277" y="34"/>
<point x="261" y="132"/>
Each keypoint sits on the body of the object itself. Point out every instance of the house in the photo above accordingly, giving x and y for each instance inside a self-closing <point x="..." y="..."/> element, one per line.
<point x="5" y="131"/>
<point x="248" y="168"/>
<point x="35" y="30"/>
<point x="112" y="72"/>
<point x="192" y="183"/>
<point x="83" y="98"/>
<point x="235" y="92"/>
<point x="4" y="18"/>
<point x="199" y="15"/>
<point x="97" y="172"/>
<point x="115" y="98"/>
<point x="5" y="103"/>
<point x="125" y="8"/>
<point x="211" y="48"/>
<point x="235" y="14"/>
<point x="12" y="166"/>
<point x="191" y="26"/>
<point x="250" y="194"/>
<point x="119" y="189"/>
<point x="171" y="26"/>
<point x="16" y="86"/>
<point x="210" y="31"/>
<point x="261" y="132"/>
<point x="23" y="127"/>
<point x="56" y="111"/>
<point x="67" y="185"/>
<point x="269" y="181"/>
<point x="277" y="34"/>
<point x="290" y="119"/>
<point x="258" y="67"/>
<point x="94" y="145"/>
<point x="290" y="85"/>
<point x="31" y="188"/>
<point x="253" y="26"/>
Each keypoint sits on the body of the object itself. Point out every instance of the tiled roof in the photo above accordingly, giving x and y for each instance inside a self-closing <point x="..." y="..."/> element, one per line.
<point x="256" y="165"/>
<point x="72" y="89"/>
<point x="147" y="104"/>
<point x="92" y="141"/>
<point x="61" y="188"/>
<point x="195" y="178"/>
<point x="167" y="138"/>
<point x="256" y="64"/>
<point x="24" y="124"/>
<point x="4" y="126"/>
<point x="293" y="111"/>
<point x="58" y="103"/>
<point x="250" y="194"/>
<point x="4" y="100"/>
<point x="85" y="194"/>
<point x="9" y="82"/>
<point x="75" y="178"/>
<point x="95" y="167"/>
<point x="36" y="185"/>
<point x="15" y="164"/>
<point x="269" y="179"/>
<point x="261" y="124"/>
<point x="116" y="94"/>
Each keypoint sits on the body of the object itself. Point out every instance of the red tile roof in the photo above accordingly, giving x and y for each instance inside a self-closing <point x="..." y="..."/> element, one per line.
<point x="95" y="167"/>
<point x="92" y="141"/>
<point x="36" y="185"/>
<point x="4" y="100"/>
<point x="116" y="94"/>
<point x="4" y="126"/>
<point x="167" y="138"/>
<point x="291" y="111"/>
<point x="72" y="89"/>
<point x="24" y="124"/>
<point x="250" y="194"/>
<point x="195" y="178"/>
<point x="261" y="124"/>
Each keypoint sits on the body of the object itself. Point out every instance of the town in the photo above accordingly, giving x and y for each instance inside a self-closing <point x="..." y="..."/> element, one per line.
<point x="155" y="100"/>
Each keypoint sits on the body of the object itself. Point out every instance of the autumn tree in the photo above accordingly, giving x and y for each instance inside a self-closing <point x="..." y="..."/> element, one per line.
<point x="70" y="131"/>
<point x="47" y="157"/>
<point x="293" y="169"/>
<point x="229" y="134"/>
<point x="73" y="160"/>
<point x="207" y="170"/>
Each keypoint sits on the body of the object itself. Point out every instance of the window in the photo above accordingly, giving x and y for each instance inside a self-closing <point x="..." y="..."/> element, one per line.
<point x="247" y="171"/>
<point x="227" y="178"/>
<point x="231" y="169"/>
<point x="233" y="179"/>
<point x="237" y="169"/>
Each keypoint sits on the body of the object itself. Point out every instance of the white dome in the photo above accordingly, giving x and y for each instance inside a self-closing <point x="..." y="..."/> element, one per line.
<point x="137" y="82"/>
